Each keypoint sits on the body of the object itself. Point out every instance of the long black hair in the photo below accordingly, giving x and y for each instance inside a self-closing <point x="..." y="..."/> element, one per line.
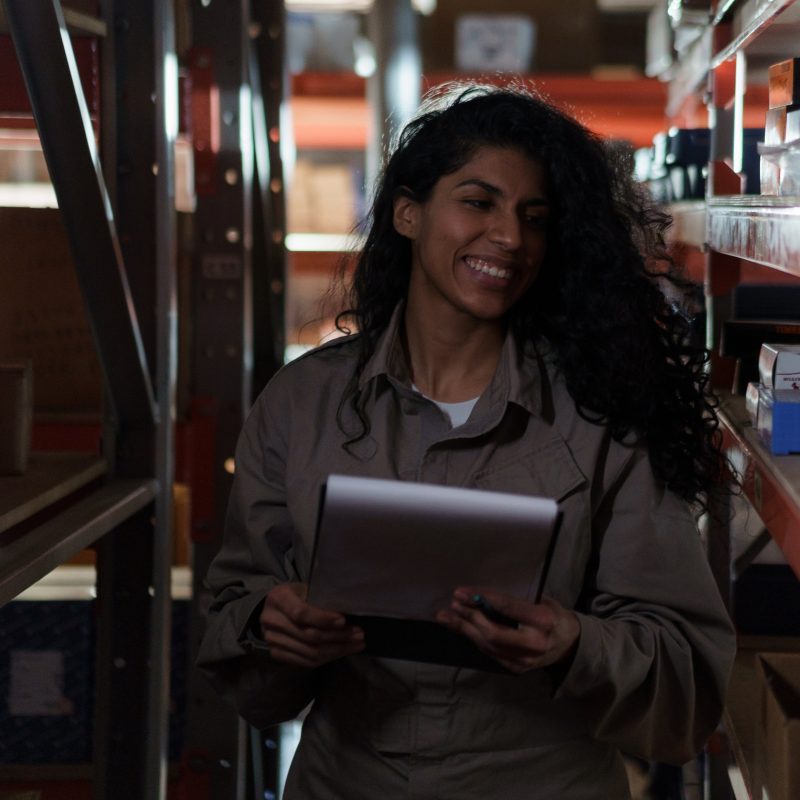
<point x="626" y="351"/>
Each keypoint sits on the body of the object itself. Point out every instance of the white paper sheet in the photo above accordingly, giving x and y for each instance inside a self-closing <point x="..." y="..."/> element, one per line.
<point x="399" y="549"/>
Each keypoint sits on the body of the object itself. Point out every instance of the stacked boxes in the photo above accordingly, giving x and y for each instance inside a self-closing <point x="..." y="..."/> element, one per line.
<point x="774" y="402"/>
<point x="780" y="154"/>
<point x="777" y="739"/>
<point x="676" y="166"/>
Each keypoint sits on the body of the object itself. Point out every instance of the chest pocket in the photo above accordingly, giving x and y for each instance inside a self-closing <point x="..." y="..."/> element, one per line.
<point x="547" y="471"/>
<point x="551" y="471"/>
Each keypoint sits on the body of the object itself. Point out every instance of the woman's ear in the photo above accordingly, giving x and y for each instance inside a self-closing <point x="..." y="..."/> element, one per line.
<point x="405" y="214"/>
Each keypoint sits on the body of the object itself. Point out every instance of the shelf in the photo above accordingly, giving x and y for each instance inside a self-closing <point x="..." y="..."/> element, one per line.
<point x="765" y="27"/>
<point x="27" y="773"/>
<point x="50" y="477"/>
<point x="28" y="556"/>
<point x="78" y="22"/>
<point x="688" y="222"/>
<point x="761" y="229"/>
<point x="332" y="113"/>
<point x="764" y="21"/>
<point x="770" y="483"/>
<point x="38" y="773"/>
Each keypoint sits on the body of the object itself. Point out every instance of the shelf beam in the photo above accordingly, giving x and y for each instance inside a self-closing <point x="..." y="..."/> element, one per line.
<point x="78" y="22"/>
<point x="770" y="483"/>
<point x="755" y="24"/>
<point x="49" y="478"/>
<point x="39" y="32"/>
<point x="31" y="555"/>
<point x="765" y="234"/>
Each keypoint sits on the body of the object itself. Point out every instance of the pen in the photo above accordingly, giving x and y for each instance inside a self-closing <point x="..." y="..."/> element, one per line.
<point x="491" y="613"/>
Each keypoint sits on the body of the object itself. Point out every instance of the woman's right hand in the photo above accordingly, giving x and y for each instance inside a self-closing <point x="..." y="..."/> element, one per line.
<point x="304" y="635"/>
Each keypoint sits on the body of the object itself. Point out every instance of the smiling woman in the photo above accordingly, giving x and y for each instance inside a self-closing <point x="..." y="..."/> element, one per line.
<point x="507" y="272"/>
<point x="477" y="243"/>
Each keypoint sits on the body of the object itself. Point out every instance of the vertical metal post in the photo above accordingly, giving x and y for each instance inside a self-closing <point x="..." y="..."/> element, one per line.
<point x="165" y="131"/>
<point x="134" y="559"/>
<point x="134" y="562"/>
<point x="393" y="91"/>
<point x="222" y="330"/>
<point x="268" y="80"/>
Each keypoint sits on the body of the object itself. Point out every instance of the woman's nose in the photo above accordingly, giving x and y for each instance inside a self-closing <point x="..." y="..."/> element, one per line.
<point x="506" y="231"/>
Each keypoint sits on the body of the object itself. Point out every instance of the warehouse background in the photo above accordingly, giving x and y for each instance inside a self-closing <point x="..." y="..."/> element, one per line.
<point x="179" y="183"/>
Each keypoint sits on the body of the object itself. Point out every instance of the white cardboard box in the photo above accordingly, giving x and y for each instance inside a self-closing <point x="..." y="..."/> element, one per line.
<point x="779" y="366"/>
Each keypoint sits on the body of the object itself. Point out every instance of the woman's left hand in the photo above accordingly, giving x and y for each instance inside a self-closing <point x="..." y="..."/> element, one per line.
<point x="546" y="632"/>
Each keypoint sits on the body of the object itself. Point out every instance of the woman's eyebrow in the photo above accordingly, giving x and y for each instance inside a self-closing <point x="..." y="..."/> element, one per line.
<point x="496" y="190"/>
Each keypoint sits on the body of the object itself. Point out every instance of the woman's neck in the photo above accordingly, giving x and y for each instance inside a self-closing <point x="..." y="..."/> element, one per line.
<point x="452" y="359"/>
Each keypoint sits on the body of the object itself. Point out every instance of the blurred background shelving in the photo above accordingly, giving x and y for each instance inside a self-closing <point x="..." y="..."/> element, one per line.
<point x="238" y="164"/>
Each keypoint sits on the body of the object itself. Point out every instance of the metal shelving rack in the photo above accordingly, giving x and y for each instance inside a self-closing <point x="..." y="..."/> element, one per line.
<point x="128" y="286"/>
<point x="116" y="197"/>
<point x="741" y="234"/>
<point x="238" y="284"/>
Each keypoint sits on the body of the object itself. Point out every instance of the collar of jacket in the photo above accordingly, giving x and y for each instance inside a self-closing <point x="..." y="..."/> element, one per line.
<point x="516" y="380"/>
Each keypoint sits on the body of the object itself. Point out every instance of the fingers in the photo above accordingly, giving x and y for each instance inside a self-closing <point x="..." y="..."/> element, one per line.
<point x="303" y="635"/>
<point x="545" y="632"/>
<point x="289" y="599"/>
<point x="288" y="649"/>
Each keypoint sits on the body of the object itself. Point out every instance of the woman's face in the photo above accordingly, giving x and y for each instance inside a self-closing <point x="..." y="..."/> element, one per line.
<point x="479" y="239"/>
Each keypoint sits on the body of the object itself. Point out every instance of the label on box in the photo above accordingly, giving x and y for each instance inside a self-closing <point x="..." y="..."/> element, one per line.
<point x="779" y="366"/>
<point x="36" y="686"/>
<point x="501" y="42"/>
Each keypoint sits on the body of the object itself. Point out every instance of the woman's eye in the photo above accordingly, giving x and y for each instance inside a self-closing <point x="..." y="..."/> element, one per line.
<point x="477" y="203"/>
<point x="536" y="221"/>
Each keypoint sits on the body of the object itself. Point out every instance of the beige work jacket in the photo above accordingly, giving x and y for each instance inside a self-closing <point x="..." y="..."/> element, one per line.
<point x="655" y="646"/>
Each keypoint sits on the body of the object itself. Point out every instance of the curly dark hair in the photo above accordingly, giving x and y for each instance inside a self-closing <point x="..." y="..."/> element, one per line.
<point x="625" y="349"/>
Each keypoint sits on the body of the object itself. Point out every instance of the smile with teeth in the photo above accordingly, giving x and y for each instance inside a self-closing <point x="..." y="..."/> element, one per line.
<point x="478" y="265"/>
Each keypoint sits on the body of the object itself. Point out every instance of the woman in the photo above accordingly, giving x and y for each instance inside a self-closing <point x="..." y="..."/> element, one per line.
<point x="511" y="336"/>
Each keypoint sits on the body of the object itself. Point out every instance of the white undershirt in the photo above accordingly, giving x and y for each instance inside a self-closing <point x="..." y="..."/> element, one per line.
<point x="458" y="413"/>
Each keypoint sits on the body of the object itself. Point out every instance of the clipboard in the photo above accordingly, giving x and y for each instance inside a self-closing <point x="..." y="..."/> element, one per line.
<point x="388" y="555"/>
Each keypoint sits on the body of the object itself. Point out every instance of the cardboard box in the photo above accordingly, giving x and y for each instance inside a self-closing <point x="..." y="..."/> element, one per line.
<point x="792" y="133"/>
<point x="779" y="366"/>
<point x="742" y="339"/>
<point x="784" y="83"/>
<point x="776" y="124"/>
<point x="779" y="420"/>
<point x="47" y="666"/>
<point x="46" y="682"/>
<point x="42" y="313"/>
<point x="494" y="42"/>
<point x="16" y="416"/>
<point x="770" y="177"/>
<point x="777" y="740"/>
<point x="567" y="34"/>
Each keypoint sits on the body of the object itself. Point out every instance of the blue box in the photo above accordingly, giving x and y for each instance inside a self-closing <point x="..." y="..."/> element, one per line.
<point x="779" y="420"/>
<point x="46" y="682"/>
<point x="47" y="660"/>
